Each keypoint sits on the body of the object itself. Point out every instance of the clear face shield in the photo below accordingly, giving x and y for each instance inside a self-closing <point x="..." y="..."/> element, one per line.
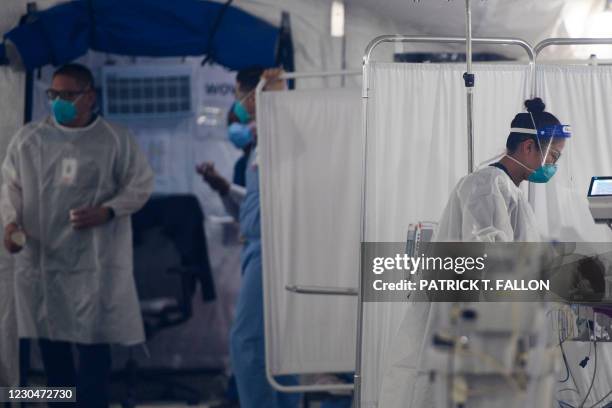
<point x="558" y="204"/>
<point x="546" y="137"/>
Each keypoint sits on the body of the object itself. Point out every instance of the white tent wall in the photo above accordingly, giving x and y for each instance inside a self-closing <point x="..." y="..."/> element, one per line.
<point x="417" y="151"/>
<point x="584" y="18"/>
<point x="310" y="158"/>
<point x="11" y="118"/>
<point x="11" y="89"/>
<point x="314" y="47"/>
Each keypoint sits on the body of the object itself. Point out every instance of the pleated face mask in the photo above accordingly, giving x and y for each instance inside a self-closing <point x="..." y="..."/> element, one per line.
<point x="240" y="109"/>
<point x="241" y="112"/>
<point x="64" y="111"/>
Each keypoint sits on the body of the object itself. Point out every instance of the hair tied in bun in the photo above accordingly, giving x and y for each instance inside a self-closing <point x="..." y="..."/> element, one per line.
<point x="535" y="105"/>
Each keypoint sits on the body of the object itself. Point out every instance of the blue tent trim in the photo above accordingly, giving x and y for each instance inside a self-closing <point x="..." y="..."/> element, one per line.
<point x="3" y="59"/>
<point x="153" y="28"/>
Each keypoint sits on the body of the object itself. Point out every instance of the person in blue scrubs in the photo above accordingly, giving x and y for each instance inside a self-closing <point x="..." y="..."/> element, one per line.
<point x="247" y="336"/>
<point x="247" y="348"/>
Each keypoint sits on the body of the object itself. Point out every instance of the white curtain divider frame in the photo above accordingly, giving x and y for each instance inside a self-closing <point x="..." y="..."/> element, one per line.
<point x="570" y="41"/>
<point x="538" y="50"/>
<point x="365" y="91"/>
<point x="301" y="289"/>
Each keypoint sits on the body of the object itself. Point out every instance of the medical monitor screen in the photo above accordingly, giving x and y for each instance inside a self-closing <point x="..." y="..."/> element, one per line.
<point x="600" y="186"/>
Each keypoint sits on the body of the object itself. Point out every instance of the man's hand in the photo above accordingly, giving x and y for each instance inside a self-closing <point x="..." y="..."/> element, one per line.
<point x="216" y="181"/>
<point x="83" y="218"/>
<point x="273" y="81"/>
<point x="11" y="246"/>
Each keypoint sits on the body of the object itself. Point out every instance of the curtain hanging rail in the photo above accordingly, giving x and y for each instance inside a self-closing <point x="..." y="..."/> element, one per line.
<point x="304" y="75"/>
<point x="570" y="41"/>
<point x="529" y="50"/>
<point x="565" y="41"/>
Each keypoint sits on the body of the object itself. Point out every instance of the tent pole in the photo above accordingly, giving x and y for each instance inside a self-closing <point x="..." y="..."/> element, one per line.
<point x="343" y="65"/>
<point x="29" y="75"/>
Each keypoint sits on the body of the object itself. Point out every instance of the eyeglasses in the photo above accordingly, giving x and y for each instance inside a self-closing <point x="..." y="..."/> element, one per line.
<point x="554" y="154"/>
<point x="53" y="94"/>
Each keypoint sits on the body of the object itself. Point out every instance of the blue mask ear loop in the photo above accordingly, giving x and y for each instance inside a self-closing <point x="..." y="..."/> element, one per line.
<point x="246" y="96"/>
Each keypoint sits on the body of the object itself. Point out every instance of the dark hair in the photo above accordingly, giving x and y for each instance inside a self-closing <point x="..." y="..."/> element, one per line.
<point x="79" y="72"/>
<point x="536" y="109"/>
<point x="248" y="78"/>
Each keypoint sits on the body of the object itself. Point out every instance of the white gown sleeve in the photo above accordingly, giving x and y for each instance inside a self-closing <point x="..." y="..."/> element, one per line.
<point x="486" y="215"/>
<point x="479" y="209"/>
<point x="134" y="177"/>
<point x="233" y="199"/>
<point x="11" y="198"/>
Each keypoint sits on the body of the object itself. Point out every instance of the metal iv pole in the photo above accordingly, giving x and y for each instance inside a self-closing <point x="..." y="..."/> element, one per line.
<point x="469" y="79"/>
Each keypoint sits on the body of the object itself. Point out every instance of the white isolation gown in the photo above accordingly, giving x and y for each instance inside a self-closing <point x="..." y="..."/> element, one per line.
<point x="484" y="206"/>
<point x="75" y="285"/>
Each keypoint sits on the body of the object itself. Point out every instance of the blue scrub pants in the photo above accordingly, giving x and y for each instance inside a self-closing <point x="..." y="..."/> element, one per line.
<point x="247" y="341"/>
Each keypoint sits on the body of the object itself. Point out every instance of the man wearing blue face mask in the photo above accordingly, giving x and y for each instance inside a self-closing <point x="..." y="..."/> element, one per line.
<point x="71" y="102"/>
<point x="70" y="184"/>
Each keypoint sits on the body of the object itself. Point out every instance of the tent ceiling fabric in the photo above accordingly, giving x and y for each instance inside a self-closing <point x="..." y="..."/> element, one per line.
<point x="156" y="28"/>
<point x="529" y="20"/>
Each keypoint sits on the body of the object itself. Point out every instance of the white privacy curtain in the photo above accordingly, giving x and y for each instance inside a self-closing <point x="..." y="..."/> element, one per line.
<point x="582" y="97"/>
<point x="416" y="153"/>
<point x="310" y="155"/>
